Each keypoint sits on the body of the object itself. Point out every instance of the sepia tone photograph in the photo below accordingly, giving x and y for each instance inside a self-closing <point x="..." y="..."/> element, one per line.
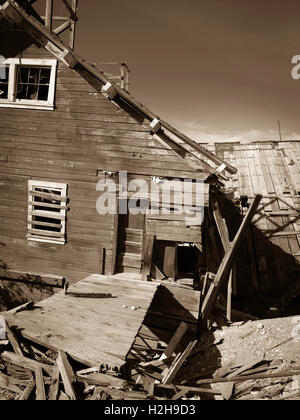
<point x="149" y="202"/>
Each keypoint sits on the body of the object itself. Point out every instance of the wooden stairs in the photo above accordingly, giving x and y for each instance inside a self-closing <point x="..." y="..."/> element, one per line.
<point x="130" y="254"/>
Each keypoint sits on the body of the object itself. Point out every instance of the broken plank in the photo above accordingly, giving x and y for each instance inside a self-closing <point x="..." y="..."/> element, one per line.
<point x="13" y="340"/>
<point x="66" y="373"/>
<point x="100" y="379"/>
<point x="176" y="339"/>
<point x="180" y="394"/>
<point x="246" y="367"/>
<point x="236" y="379"/>
<point x="40" y="385"/>
<point x="196" y="390"/>
<point x="54" y="387"/>
<point x="26" y="306"/>
<point x="176" y="366"/>
<point x="25" y="362"/>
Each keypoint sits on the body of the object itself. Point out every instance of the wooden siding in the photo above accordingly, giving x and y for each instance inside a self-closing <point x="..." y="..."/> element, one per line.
<point x="84" y="135"/>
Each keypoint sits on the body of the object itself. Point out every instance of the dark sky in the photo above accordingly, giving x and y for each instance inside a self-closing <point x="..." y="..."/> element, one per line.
<point x="216" y="69"/>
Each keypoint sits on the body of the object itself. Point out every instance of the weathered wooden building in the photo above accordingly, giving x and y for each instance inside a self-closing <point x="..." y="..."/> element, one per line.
<point x="63" y="128"/>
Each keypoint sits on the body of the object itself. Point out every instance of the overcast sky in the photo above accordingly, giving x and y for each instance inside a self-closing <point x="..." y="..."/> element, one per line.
<point x="216" y="69"/>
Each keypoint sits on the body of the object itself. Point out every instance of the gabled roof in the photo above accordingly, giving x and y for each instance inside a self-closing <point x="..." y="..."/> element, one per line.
<point x="19" y="13"/>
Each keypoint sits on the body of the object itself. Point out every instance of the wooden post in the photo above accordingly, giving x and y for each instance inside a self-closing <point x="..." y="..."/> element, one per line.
<point x="73" y="23"/>
<point x="122" y="76"/>
<point x="223" y="272"/>
<point x="49" y="14"/>
<point x="224" y="235"/>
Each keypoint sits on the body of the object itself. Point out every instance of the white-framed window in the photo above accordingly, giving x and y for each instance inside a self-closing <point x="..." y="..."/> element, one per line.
<point x="47" y="209"/>
<point x="27" y="83"/>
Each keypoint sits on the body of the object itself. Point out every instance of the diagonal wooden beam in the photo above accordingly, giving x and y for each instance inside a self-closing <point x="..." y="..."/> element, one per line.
<point x="69" y="7"/>
<point x="223" y="272"/>
<point x="62" y="27"/>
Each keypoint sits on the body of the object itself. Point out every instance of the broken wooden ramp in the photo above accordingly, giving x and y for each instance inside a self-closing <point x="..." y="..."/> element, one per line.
<point x="96" y="323"/>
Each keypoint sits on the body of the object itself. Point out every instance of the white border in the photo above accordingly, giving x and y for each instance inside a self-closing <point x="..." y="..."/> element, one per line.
<point x="12" y="102"/>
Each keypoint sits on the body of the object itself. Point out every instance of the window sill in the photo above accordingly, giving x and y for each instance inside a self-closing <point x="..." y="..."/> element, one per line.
<point x="27" y="106"/>
<point x="46" y="240"/>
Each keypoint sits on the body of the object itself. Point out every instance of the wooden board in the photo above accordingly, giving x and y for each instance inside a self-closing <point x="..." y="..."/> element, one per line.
<point x="95" y="331"/>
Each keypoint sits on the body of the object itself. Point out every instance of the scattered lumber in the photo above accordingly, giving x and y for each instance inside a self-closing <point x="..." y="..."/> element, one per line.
<point x="25" y="362"/>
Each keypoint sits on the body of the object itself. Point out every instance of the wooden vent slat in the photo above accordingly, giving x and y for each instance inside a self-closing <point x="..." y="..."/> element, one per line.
<point x="47" y="205"/>
<point x="49" y="196"/>
<point x="48" y="215"/>
<point x="46" y="233"/>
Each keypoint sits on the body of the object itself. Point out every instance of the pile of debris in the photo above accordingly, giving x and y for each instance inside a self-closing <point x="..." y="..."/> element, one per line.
<point x="29" y="371"/>
<point x="166" y="377"/>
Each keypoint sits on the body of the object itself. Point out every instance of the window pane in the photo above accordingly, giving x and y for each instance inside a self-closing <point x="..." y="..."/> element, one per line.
<point x="4" y="82"/>
<point x="33" y="83"/>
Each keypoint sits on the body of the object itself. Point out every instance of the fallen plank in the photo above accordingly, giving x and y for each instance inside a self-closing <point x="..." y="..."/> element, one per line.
<point x="25" y="307"/>
<point x="89" y="295"/>
<point x="176" y="339"/>
<point x="54" y="387"/>
<point x="148" y="385"/>
<point x="196" y="390"/>
<point x="32" y="278"/>
<point x="13" y="340"/>
<point x="24" y="362"/>
<point x="241" y="378"/>
<point x="237" y="314"/>
<point x="180" y="394"/>
<point x="176" y="366"/>
<point x="100" y="379"/>
<point x="66" y="373"/>
<point x="246" y="367"/>
<point x="40" y="385"/>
